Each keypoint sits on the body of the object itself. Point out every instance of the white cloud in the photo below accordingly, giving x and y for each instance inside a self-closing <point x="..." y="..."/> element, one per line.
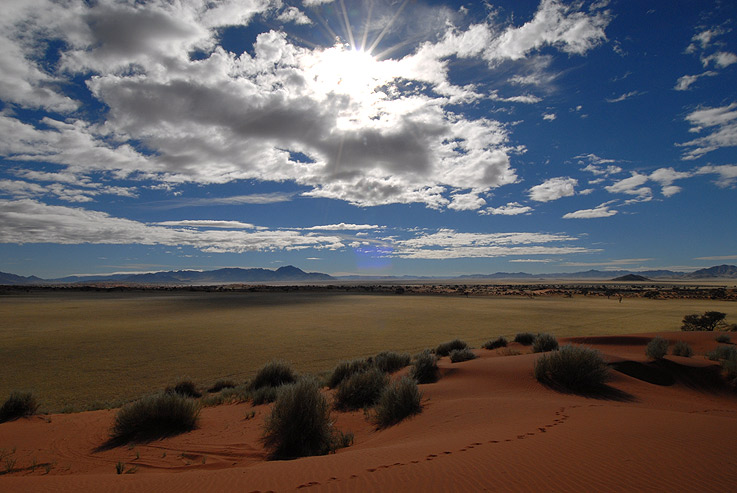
<point x="632" y="186"/>
<point x="720" y="59"/>
<point x="625" y="96"/>
<point x="666" y="176"/>
<point x="721" y="123"/>
<point x="293" y="14"/>
<point x="343" y="227"/>
<point x="602" y="210"/>
<point x="684" y="83"/>
<point x="199" y="223"/>
<point x="727" y="174"/>
<point x="553" y="189"/>
<point x="549" y="116"/>
<point x="466" y="201"/>
<point x="511" y="209"/>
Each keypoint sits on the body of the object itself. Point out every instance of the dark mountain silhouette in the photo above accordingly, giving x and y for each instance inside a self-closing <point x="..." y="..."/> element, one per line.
<point x="630" y="278"/>
<point x="723" y="271"/>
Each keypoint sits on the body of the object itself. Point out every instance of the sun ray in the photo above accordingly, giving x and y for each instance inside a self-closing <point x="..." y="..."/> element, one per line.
<point x="366" y="25"/>
<point x="386" y="28"/>
<point x="347" y="24"/>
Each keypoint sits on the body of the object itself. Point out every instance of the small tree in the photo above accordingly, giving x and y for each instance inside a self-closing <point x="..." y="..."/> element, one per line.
<point x="708" y="321"/>
<point x="657" y="348"/>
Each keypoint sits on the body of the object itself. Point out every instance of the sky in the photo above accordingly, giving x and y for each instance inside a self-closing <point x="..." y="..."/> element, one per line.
<point x="384" y="137"/>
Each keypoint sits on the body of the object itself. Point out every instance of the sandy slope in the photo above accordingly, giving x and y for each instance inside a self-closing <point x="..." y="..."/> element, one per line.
<point x="486" y="425"/>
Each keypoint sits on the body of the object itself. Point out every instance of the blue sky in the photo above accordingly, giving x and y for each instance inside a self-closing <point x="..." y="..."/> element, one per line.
<point x="375" y="137"/>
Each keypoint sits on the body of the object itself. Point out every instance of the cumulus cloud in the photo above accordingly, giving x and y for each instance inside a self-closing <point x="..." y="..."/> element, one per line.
<point x="720" y="59"/>
<point x="601" y="210"/>
<point x="466" y="202"/>
<point x="720" y="126"/>
<point x="553" y="189"/>
<point x="666" y="176"/>
<point x="632" y="186"/>
<point x="727" y="174"/>
<point x="293" y="14"/>
<point x="549" y="116"/>
<point x="685" y="82"/>
<point x="511" y="209"/>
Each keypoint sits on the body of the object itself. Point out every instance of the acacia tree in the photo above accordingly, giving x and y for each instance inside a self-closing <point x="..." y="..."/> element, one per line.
<point x="708" y="321"/>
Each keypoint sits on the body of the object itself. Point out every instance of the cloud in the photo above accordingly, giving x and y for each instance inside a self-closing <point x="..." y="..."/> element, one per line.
<point x="720" y="59"/>
<point x="549" y="116"/>
<point x="511" y="209"/>
<point x="609" y="263"/>
<point x="666" y="176"/>
<point x="684" y="83"/>
<point x="625" y="96"/>
<point x="198" y="223"/>
<point x="632" y="186"/>
<point x="718" y="257"/>
<point x="256" y="198"/>
<point x="727" y="174"/>
<point x="293" y="14"/>
<point x="28" y="221"/>
<point x="721" y="123"/>
<point x="602" y="210"/>
<point x="343" y="227"/>
<point x="466" y="201"/>
<point x="553" y="189"/>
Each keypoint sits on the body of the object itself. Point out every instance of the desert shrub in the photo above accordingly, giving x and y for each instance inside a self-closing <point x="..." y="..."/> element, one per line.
<point x="220" y="385"/>
<point x="681" y="348"/>
<point x="19" y="404"/>
<point x="228" y="395"/>
<point x="345" y="369"/>
<point x="389" y="361"/>
<point x="361" y="389"/>
<point x="185" y="388"/>
<point x="458" y="355"/>
<point x="723" y="353"/>
<point x="156" y="416"/>
<point x="544" y="342"/>
<point x="399" y="400"/>
<point x="723" y="338"/>
<point x="575" y="368"/>
<point x="656" y="348"/>
<point x="525" y="338"/>
<point x="273" y="374"/>
<point x="299" y="424"/>
<point x="425" y="368"/>
<point x="265" y="395"/>
<point x="708" y="321"/>
<point x="500" y="341"/>
<point x="445" y="348"/>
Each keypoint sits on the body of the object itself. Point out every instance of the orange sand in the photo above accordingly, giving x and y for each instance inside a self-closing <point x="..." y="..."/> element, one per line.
<point x="487" y="425"/>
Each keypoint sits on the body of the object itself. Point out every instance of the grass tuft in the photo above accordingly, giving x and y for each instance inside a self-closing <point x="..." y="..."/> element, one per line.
<point x="299" y="424"/>
<point x="361" y="389"/>
<point x="500" y="341"/>
<point x="19" y="404"/>
<point x="525" y="338"/>
<point x="273" y="374"/>
<point x="657" y="348"/>
<point x="445" y="348"/>
<point x="221" y="385"/>
<point x="574" y="368"/>
<point x="389" y="361"/>
<point x="425" y="368"/>
<point x="266" y="395"/>
<point x="724" y="338"/>
<point x="544" y="343"/>
<point x="399" y="400"/>
<point x="185" y="388"/>
<point x="681" y="348"/>
<point x="156" y="416"/>
<point x="723" y="353"/>
<point x="345" y="369"/>
<point x="458" y="355"/>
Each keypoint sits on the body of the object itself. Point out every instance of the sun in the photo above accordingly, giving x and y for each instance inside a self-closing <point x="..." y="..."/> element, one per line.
<point x="342" y="69"/>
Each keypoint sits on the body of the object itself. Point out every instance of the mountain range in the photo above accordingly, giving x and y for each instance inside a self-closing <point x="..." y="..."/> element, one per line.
<point x="290" y="273"/>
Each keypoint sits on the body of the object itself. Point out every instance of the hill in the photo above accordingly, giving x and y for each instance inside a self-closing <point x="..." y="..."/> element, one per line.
<point x="631" y="278"/>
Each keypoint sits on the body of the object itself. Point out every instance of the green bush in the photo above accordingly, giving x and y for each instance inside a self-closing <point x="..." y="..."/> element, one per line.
<point x="708" y="321"/>
<point x="458" y="355"/>
<point x="723" y="338"/>
<point x="156" y="416"/>
<point x="273" y="374"/>
<point x="425" y="368"/>
<point x="185" y="388"/>
<point x="723" y="353"/>
<point x="544" y="343"/>
<point x="265" y="395"/>
<point x="681" y="348"/>
<point x="500" y="341"/>
<point x="399" y="400"/>
<point x="19" y="404"/>
<point x="361" y="389"/>
<point x="345" y="369"/>
<point x="445" y="348"/>
<point x="657" y="348"/>
<point x="299" y="424"/>
<point x="574" y="368"/>
<point x="389" y="361"/>
<point x="525" y="338"/>
<point x="220" y="385"/>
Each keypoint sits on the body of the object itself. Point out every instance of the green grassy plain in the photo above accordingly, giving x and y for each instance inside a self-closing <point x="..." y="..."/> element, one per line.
<point x="82" y="350"/>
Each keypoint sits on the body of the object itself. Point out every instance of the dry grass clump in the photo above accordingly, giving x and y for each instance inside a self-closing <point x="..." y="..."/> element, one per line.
<point x="544" y="343"/>
<point x="425" y="368"/>
<point x="500" y="341"/>
<point x="389" y="361"/>
<point x="274" y="374"/>
<point x="682" y="348"/>
<point x="723" y="353"/>
<point x="361" y="389"/>
<point x="657" y="348"/>
<point x="525" y="338"/>
<point x="221" y="385"/>
<point x="266" y="395"/>
<point x="19" y="404"/>
<point x="185" y="388"/>
<point x="299" y="424"/>
<point x="574" y="368"/>
<point x="345" y="369"/>
<point x="458" y="355"/>
<point x="156" y="416"/>
<point x="723" y="338"/>
<point x="445" y="348"/>
<point x="399" y="400"/>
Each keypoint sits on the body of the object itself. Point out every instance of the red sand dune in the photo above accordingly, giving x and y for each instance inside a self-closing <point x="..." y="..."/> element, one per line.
<point x="486" y="425"/>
